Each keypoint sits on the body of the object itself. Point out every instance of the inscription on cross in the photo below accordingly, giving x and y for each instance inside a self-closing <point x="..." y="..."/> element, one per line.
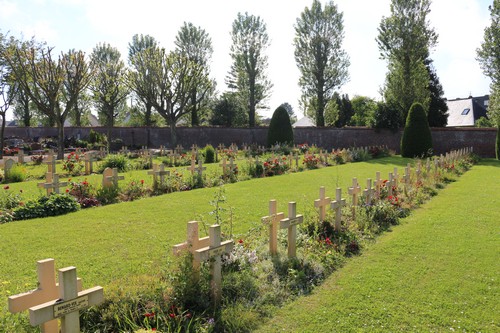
<point x="69" y="304"/>
<point x="322" y="203"/>
<point x="291" y="223"/>
<point x="213" y="252"/>
<point x="273" y="220"/>
<point x="337" y="205"/>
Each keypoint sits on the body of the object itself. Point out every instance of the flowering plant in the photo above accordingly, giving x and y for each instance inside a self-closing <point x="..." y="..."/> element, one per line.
<point x="73" y="164"/>
<point x="311" y="161"/>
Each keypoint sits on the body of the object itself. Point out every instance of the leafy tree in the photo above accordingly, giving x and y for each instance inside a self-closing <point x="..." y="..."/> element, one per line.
<point x="228" y="111"/>
<point x="417" y="138"/>
<point x="280" y="128"/>
<point x="79" y="116"/>
<point x="109" y="91"/>
<point x="438" y="109"/>
<point x="247" y="74"/>
<point x="7" y="90"/>
<point x="139" y="77"/>
<point x="195" y="44"/>
<point x="483" y="122"/>
<point x="289" y="110"/>
<point x="345" y="110"/>
<point x="405" y="40"/>
<point x="387" y="117"/>
<point x="53" y="85"/>
<point x="488" y="56"/>
<point x="364" y="111"/>
<point x="322" y="62"/>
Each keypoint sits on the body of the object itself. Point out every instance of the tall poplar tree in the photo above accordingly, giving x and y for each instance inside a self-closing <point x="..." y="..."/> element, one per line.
<point x="405" y="39"/>
<point x="248" y="75"/>
<point x="323" y="64"/>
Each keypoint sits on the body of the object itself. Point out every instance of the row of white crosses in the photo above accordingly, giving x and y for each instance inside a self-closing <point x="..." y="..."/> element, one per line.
<point x="210" y="248"/>
<point x="227" y="169"/>
<point x="52" y="301"/>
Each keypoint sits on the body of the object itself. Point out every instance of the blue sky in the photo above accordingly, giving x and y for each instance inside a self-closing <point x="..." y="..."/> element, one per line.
<point x="81" y="24"/>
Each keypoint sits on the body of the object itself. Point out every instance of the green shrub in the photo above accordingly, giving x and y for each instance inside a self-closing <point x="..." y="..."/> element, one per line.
<point x="280" y="128"/>
<point x="52" y="205"/>
<point x="107" y="195"/>
<point x="16" y="174"/>
<point x="97" y="138"/>
<point x="209" y="154"/>
<point x="119" y="161"/>
<point x="417" y="137"/>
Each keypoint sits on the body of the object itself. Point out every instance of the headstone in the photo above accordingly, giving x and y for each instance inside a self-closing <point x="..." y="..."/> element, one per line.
<point x="273" y="220"/>
<point x="354" y="191"/>
<point x="69" y="304"/>
<point x="159" y="172"/>
<point x="89" y="162"/>
<point x="337" y="205"/>
<point x="20" y="156"/>
<point x="290" y="223"/>
<point x="368" y="192"/>
<point x="8" y="165"/>
<point x="110" y="178"/>
<point x="322" y="203"/>
<point x="213" y="252"/>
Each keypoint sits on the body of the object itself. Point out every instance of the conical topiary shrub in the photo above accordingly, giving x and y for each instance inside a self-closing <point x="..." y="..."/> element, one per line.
<point x="497" y="146"/>
<point x="417" y="137"/>
<point x="280" y="128"/>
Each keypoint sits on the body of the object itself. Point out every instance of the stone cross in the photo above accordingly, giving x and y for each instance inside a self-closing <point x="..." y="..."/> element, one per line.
<point x="395" y="177"/>
<point x="273" y="220"/>
<point x="418" y="171"/>
<point x="200" y="168"/>
<point x="290" y="223"/>
<point x="407" y="176"/>
<point x="51" y="163"/>
<point x="297" y="158"/>
<point x="46" y="291"/>
<point x="322" y="203"/>
<point x="232" y="166"/>
<point x="194" y="151"/>
<point x="89" y="163"/>
<point x="192" y="243"/>
<point x="436" y="168"/>
<point x="52" y="184"/>
<point x="389" y="184"/>
<point x="69" y="304"/>
<point x="337" y="205"/>
<point x="224" y="166"/>
<point x="428" y="165"/>
<point x="378" y="184"/>
<point x="213" y="252"/>
<point x="192" y="167"/>
<point x="179" y="149"/>
<point x="110" y="178"/>
<point x="8" y="165"/>
<point x="354" y="190"/>
<point x="102" y="152"/>
<point x="368" y="192"/>
<point x="124" y="150"/>
<point x="162" y="150"/>
<point x="148" y="156"/>
<point x="159" y="172"/>
<point x="20" y="156"/>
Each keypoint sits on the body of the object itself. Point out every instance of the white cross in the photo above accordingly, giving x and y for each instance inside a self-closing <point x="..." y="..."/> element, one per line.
<point x="272" y="220"/>
<point x="322" y="203"/>
<point x="337" y="205"/>
<point x="290" y="223"/>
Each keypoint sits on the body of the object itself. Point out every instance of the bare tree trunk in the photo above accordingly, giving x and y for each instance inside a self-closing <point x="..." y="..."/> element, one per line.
<point x="173" y="134"/>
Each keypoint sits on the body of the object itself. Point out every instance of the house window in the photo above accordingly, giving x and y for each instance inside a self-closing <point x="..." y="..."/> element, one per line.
<point x="486" y="102"/>
<point x="465" y="112"/>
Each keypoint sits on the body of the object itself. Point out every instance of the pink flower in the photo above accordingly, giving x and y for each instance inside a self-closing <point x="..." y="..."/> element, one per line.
<point x="6" y="187"/>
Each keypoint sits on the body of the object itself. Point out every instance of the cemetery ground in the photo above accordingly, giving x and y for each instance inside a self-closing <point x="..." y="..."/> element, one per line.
<point x="126" y="247"/>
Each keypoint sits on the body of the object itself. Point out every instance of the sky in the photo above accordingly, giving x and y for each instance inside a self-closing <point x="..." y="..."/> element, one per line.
<point x="82" y="24"/>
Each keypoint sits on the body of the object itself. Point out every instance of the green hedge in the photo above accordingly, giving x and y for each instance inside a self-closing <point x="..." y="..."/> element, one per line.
<point x="417" y="137"/>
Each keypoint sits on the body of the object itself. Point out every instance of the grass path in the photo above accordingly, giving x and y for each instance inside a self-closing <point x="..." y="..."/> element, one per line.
<point x="438" y="272"/>
<point x="133" y="238"/>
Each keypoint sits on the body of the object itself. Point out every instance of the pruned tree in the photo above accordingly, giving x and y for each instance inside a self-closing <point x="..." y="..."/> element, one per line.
<point x="247" y="75"/>
<point x="7" y="89"/>
<point x="438" y="109"/>
<point x="139" y="77"/>
<point x="195" y="44"/>
<point x="323" y="64"/>
<point x="405" y="40"/>
<point x="109" y="91"/>
<point x="227" y="111"/>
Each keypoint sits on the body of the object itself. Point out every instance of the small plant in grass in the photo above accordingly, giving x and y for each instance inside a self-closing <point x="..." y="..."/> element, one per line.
<point x="84" y="193"/>
<point x="37" y="159"/>
<point x="275" y="166"/>
<point x="16" y="174"/>
<point x="209" y="153"/>
<point x="108" y="195"/>
<point x="8" y="199"/>
<point x="72" y="164"/>
<point x="120" y="162"/>
<point x="52" y="205"/>
<point x="133" y="191"/>
<point x="311" y="161"/>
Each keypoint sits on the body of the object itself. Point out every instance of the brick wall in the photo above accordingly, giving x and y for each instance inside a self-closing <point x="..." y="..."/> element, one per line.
<point x="444" y="139"/>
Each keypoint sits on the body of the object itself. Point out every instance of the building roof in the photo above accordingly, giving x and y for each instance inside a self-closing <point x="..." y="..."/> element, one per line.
<point x="304" y="122"/>
<point x="464" y="112"/>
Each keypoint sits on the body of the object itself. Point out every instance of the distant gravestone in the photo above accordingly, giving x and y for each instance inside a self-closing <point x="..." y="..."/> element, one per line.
<point x="322" y="203"/>
<point x="50" y="160"/>
<point x="89" y="162"/>
<point x="110" y="178"/>
<point x="20" y="156"/>
<point x="69" y="304"/>
<point x="8" y="165"/>
<point x="389" y="185"/>
<point x="291" y="223"/>
<point x="52" y="183"/>
<point x="395" y="177"/>
<point x="273" y="220"/>
<point x="200" y="168"/>
<point x="337" y="205"/>
<point x="159" y="172"/>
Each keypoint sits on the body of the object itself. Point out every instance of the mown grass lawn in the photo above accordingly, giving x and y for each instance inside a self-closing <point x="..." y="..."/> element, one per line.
<point x="437" y="272"/>
<point x="118" y="241"/>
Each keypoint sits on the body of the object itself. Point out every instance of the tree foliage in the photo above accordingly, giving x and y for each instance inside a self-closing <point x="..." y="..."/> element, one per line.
<point x="247" y="75"/>
<point x="323" y="64"/>
<point x="404" y="40"/>
<point x="280" y="128"/>
<point x="417" y="138"/>
<point x="363" y="111"/>
<point x="7" y="89"/>
<point x="438" y="109"/>
<point x="227" y="111"/>
<point x="195" y="44"/>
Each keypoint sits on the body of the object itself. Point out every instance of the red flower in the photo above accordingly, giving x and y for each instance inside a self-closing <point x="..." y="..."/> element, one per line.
<point x="171" y="315"/>
<point x="149" y="315"/>
<point x="67" y="190"/>
<point x="240" y="241"/>
<point x="142" y="181"/>
<point x="6" y="187"/>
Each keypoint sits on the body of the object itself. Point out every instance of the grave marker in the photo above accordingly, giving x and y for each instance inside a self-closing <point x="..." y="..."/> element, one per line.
<point x="124" y="150"/>
<point x="110" y="178"/>
<point x="368" y="192"/>
<point x="389" y="184"/>
<point x="272" y="220"/>
<point x="50" y="160"/>
<point x="192" y="243"/>
<point x="52" y="184"/>
<point x="337" y="205"/>
<point x="192" y="167"/>
<point x="20" y="156"/>
<point x="200" y="168"/>
<point x="322" y="203"/>
<point x="69" y="304"/>
<point x="290" y="223"/>
<point x="354" y="190"/>
<point x="213" y="252"/>
<point x="159" y="172"/>
<point x="224" y="166"/>
<point x="378" y="184"/>
<point x="89" y="163"/>
<point x="395" y="177"/>
<point x="297" y="158"/>
<point x="8" y="165"/>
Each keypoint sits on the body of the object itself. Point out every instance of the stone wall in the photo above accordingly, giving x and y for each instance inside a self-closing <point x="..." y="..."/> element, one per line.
<point x="444" y="139"/>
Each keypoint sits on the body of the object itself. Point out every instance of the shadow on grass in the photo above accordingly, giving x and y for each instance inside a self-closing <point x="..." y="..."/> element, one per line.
<point x="402" y="162"/>
<point x="490" y="162"/>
